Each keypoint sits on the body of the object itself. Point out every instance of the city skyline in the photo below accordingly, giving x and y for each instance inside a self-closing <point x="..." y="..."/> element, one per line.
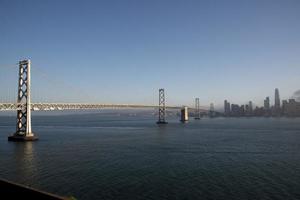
<point x="281" y="107"/>
<point x="192" y="49"/>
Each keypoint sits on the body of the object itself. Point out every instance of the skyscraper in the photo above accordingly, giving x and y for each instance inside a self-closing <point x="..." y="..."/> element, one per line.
<point x="267" y="103"/>
<point x="277" y="99"/>
<point x="267" y="108"/>
<point x="250" y="107"/>
<point x="277" y="109"/>
<point x="226" y="108"/>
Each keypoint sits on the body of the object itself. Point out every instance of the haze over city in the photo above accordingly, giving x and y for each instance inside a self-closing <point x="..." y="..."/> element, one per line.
<point x="123" y="51"/>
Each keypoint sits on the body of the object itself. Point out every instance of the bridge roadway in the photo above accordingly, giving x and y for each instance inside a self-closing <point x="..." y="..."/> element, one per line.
<point x="77" y="106"/>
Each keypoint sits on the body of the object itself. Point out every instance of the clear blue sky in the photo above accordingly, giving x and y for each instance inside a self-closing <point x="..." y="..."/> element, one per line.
<point x="122" y="51"/>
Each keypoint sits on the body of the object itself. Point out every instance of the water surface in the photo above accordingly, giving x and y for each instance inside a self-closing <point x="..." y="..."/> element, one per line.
<point x="96" y="156"/>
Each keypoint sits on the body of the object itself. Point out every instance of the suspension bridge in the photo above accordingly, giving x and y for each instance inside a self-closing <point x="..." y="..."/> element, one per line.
<point x="75" y="106"/>
<point x="23" y="106"/>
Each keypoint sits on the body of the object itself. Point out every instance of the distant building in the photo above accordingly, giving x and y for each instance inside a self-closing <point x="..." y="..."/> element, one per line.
<point x="277" y="99"/>
<point x="247" y="110"/>
<point x="235" y="110"/>
<point x="242" y="110"/>
<point x="267" y="103"/>
<point x="267" y="109"/>
<point x="284" y="107"/>
<point x="291" y="108"/>
<point x="250" y="112"/>
<point x="226" y="108"/>
<point x="258" y="111"/>
<point x="277" y="109"/>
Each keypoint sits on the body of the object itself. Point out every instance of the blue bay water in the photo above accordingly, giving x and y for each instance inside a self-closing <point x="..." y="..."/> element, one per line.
<point x="96" y="156"/>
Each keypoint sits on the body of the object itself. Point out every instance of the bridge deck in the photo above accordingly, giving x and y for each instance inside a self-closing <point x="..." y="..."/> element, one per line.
<point x="78" y="106"/>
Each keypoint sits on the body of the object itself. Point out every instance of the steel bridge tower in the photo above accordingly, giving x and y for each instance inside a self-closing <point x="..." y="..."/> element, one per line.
<point x="23" y="129"/>
<point x="197" y="109"/>
<point x="161" y="107"/>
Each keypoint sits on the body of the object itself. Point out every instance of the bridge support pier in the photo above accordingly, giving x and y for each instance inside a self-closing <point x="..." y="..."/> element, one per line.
<point x="161" y="107"/>
<point x="184" y="114"/>
<point x="23" y="128"/>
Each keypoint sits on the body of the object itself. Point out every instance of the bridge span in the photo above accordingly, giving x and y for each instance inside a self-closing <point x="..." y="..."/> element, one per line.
<point x="76" y="106"/>
<point x="24" y="106"/>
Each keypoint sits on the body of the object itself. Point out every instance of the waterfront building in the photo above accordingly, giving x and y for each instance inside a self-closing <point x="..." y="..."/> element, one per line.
<point x="258" y="111"/>
<point x="250" y="107"/>
<point x="247" y="110"/>
<point x="277" y="99"/>
<point x="267" y="103"/>
<point x="291" y="108"/>
<point x="235" y="110"/>
<point x="277" y="109"/>
<point x="226" y="108"/>
<point x="267" y="110"/>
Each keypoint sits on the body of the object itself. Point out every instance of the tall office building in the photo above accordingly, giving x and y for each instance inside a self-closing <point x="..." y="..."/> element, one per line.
<point x="226" y="108"/>
<point x="267" y="103"/>
<point x="277" y="99"/>
<point x="284" y="107"/>
<point x="277" y="109"/>
<point x="247" y="111"/>
<point x="242" y="110"/>
<point x="250" y="107"/>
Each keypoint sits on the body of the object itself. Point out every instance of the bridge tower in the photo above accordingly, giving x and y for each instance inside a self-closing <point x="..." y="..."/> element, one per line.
<point x="197" y="109"/>
<point x="23" y="129"/>
<point x="161" y="107"/>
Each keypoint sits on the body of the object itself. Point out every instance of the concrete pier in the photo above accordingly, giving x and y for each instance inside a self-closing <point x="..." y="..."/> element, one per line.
<point x="184" y="114"/>
<point x="17" y="138"/>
